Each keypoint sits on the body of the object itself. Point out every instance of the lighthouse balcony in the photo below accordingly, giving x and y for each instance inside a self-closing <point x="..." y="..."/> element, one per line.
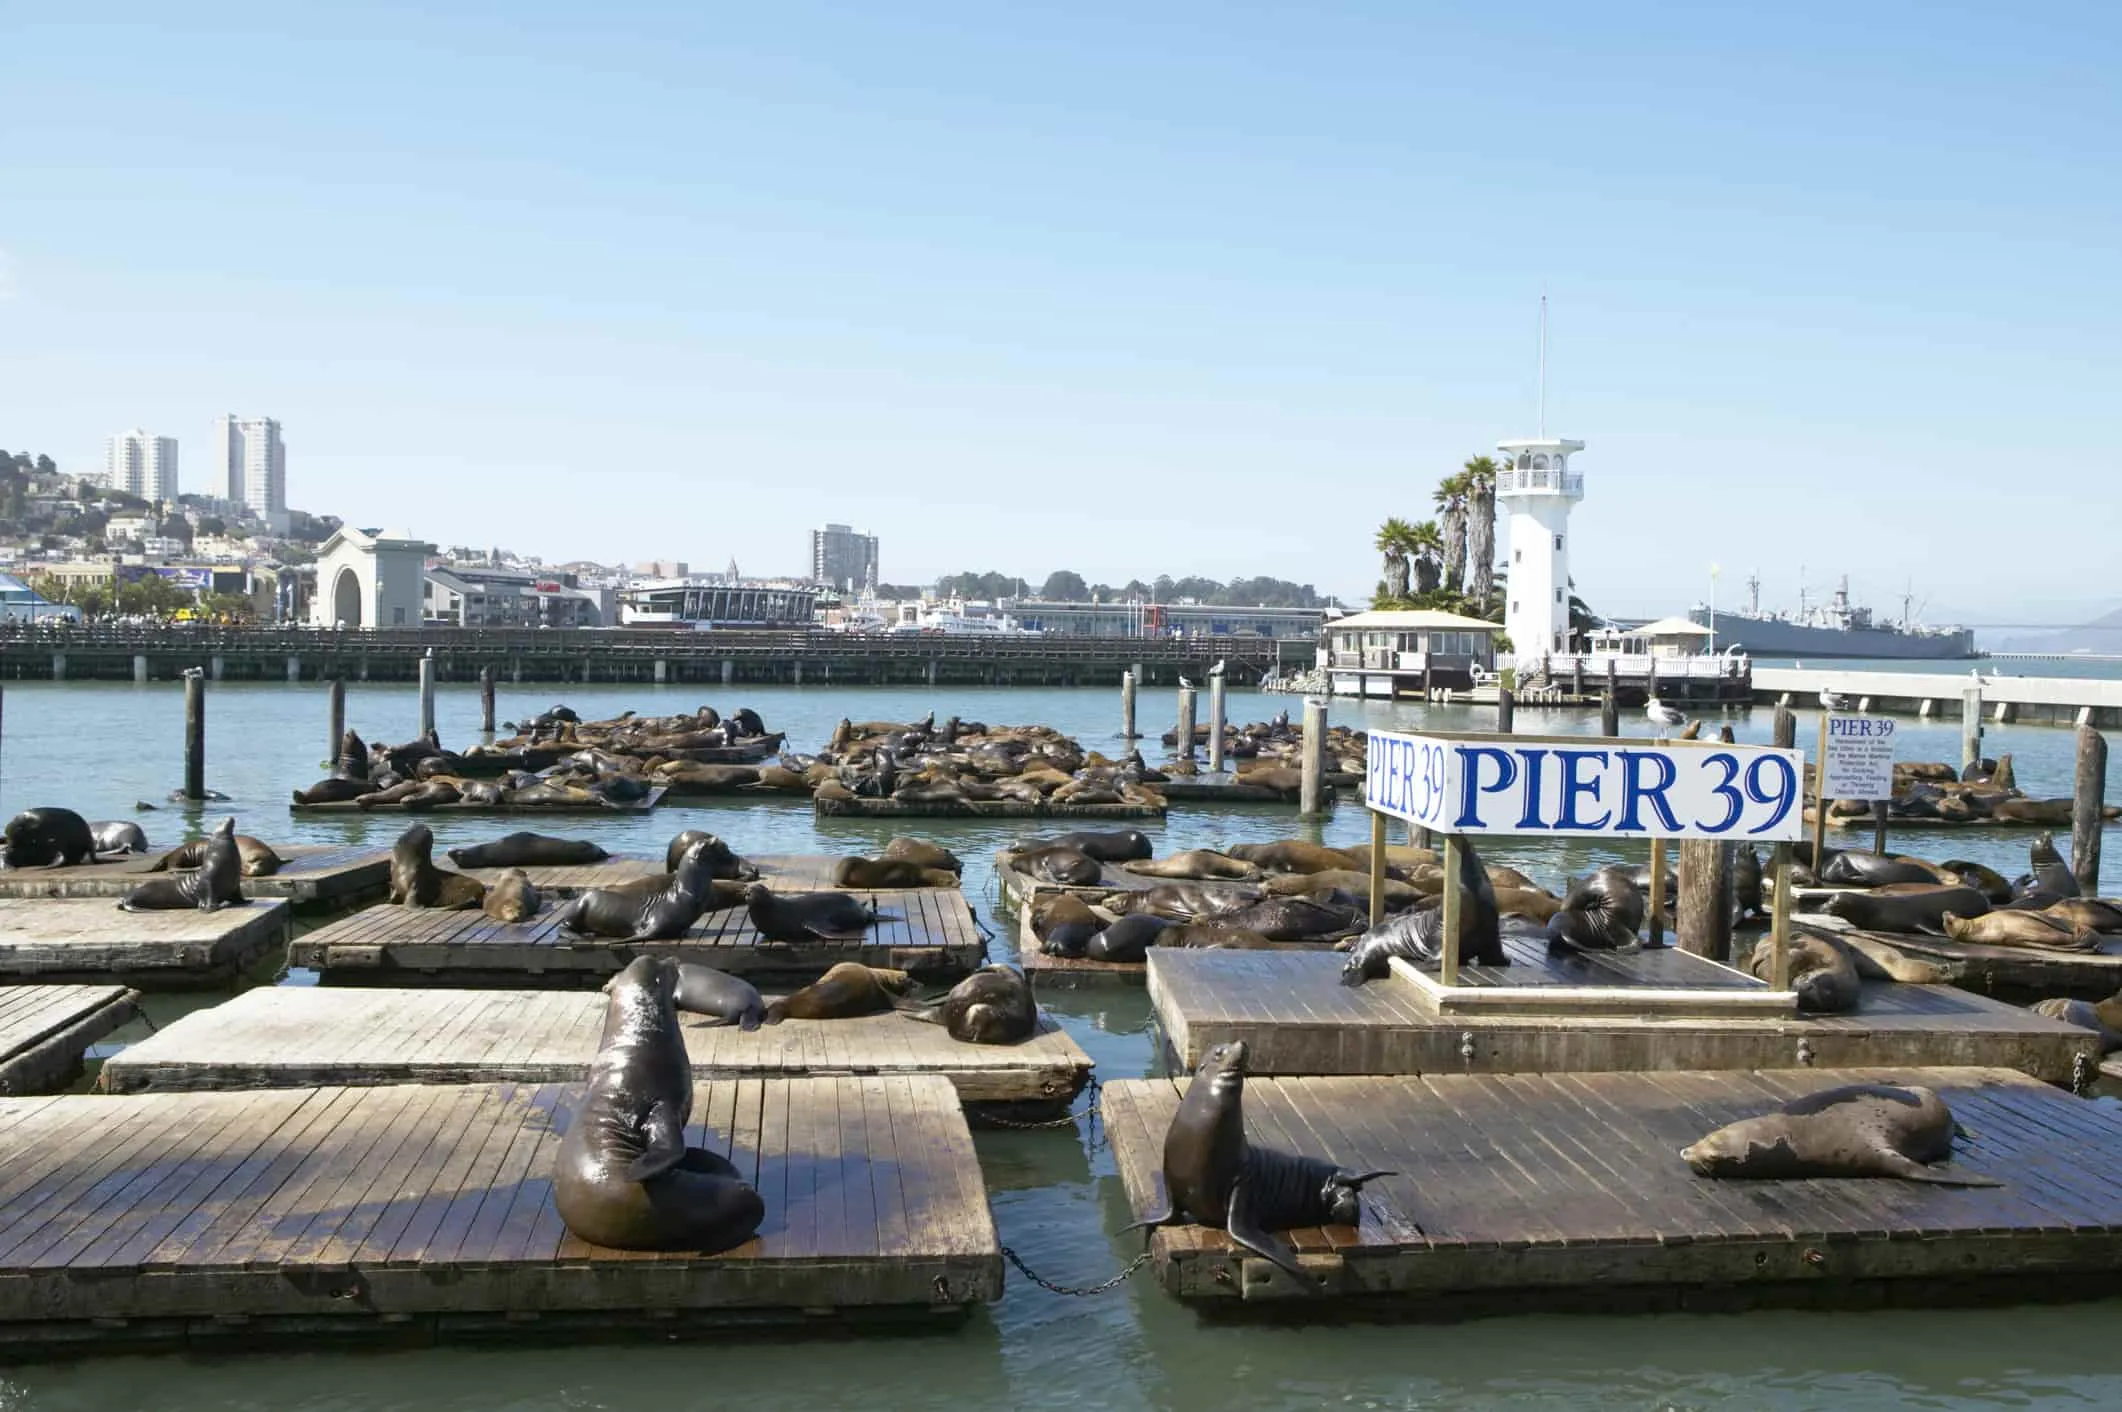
<point x="1540" y="482"/>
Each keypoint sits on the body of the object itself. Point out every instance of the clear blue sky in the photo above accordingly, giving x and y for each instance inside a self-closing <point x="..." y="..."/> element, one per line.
<point x="1117" y="288"/>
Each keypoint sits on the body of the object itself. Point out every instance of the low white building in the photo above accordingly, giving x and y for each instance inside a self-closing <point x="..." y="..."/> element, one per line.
<point x="369" y="578"/>
<point x="1389" y="651"/>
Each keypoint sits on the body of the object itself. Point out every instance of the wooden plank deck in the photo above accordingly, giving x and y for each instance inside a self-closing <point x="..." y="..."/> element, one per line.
<point x="2018" y="973"/>
<point x="197" y="1216"/>
<point x="977" y="809"/>
<point x="1073" y="973"/>
<point x="1297" y="1018"/>
<point x="1231" y="791"/>
<point x="55" y="939"/>
<point x="295" y="1036"/>
<point x="314" y="874"/>
<point x="1578" y="1177"/>
<point x="348" y="806"/>
<point x="790" y="872"/>
<point x="45" y="1029"/>
<point x="932" y="932"/>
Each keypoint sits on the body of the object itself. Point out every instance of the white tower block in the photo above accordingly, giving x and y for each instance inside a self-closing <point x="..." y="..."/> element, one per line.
<point x="1536" y="489"/>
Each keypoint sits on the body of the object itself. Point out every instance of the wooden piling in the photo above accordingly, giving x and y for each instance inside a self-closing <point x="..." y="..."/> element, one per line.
<point x="427" y="694"/>
<point x="1970" y="725"/>
<point x="194" y="734"/>
<point x="1657" y="892"/>
<point x="1377" y="867"/>
<point x="1448" y="971"/>
<point x="1779" y="927"/>
<point x="1185" y="732"/>
<point x="1702" y="923"/>
<point x="336" y="713"/>
<point x="1820" y="799"/>
<point x="1127" y="705"/>
<point x="1506" y="710"/>
<point x="1215" y="722"/>
<point x="2089" y="798"/>
<point x="1786" y="729"/>
<point x="486" y="700"/>
<point x="1609" y="714"/>
<point x="1314" y="749"/>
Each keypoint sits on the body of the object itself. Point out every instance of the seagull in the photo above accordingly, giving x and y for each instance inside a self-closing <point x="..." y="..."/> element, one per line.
<point x="1217" y="670"/>
<point x="1663" y="714"/>
<point x="1833" y="701"/>
<point x="1185" y="685"/>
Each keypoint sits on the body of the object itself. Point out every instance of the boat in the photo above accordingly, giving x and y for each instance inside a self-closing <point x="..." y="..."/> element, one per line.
<point x="1836" y="628"/>
<point x="952" y="622"/>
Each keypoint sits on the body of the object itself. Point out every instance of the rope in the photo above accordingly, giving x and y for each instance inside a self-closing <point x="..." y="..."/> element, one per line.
<point x="1051" y="1288"/>
<point x="2082" y="1071"/>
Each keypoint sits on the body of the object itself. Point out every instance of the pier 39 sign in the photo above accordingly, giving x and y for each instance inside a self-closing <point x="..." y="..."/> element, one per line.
<point x="1558" y="785"/>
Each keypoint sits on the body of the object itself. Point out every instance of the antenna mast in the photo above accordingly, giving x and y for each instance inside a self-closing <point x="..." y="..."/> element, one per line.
<point x="1543" y="365"/>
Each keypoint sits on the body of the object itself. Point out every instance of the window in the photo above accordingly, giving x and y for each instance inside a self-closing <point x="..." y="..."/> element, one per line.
<point x="398" y="617"/>
<point x="1558" y="595"/>
<point x="1514" y="605"/>
<point x="1517" y="556"/>
<point x="1558" y="642"/>
<point x="1558" y="544"/>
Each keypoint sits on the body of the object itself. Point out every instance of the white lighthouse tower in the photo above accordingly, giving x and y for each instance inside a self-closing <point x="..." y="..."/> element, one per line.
<point x="1536" y="488"/>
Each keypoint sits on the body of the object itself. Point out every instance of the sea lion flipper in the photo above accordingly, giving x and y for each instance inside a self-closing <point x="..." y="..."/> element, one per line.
<point x="1893" y="1164"/>
<point x="714" y="1164"/>
<point x="666" y="1143"/>
<point x="1238" y="1225"/>
<point x="918" y="1010"/>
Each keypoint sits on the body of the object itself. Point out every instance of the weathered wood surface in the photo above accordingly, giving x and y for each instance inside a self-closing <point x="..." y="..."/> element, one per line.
<point x="292" y="1036"/>
<point x="357" y="1209"/>
<point x="978" y="809"/>
<point x="1075" y="973"/>
<point x="930" y="931"/>
<point x="1297" y="1018"/>
<point x="785" y="872"/>
<point x="2020" y="973"/>
<point x="348" y="806"/>
<point x="1019" y="886"/>
<point x="1663" y="981"/>
<point x="45" y="1029"/>
<point x="93" y="939"/>
<point x="1231" y="790"/>
<point x="313" y="873"/>
<point x="1578" y="1178"/>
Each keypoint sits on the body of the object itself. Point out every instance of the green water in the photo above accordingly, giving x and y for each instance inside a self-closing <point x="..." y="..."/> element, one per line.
<point x="99" y="748"/>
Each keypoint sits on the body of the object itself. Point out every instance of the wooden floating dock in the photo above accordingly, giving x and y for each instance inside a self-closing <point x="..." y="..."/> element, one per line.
<point x="228" y="1218"/>
<point x="786" y="872"/>
<point x="1567" y="1192"/>
<point x="45" y="1029"/>
<point x="313" y="875"/>
<point x="1662" y="981"/>
<point x="2020" y="973"/>
<point x="977" y="809"/>
<point x="298" y="1036"/>
<point x="1231" y="790"/>
<point x="1075" y="973"/>
<point x="94" y="940"/>
<point x="348" y="806"/>
<point x="932" y="932"/>
<point x="1296" y="1017"/>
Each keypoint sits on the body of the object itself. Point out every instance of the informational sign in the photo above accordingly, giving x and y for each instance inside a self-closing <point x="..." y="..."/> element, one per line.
<point x="1857" y="758"/>
<point x="1557" y="786"/>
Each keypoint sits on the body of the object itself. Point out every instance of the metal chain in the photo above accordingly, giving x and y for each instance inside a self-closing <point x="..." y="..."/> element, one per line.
<point x="1051" y="1288"/>
<point x="1092" y="1110"/>
<point x="2082" y="1071"/>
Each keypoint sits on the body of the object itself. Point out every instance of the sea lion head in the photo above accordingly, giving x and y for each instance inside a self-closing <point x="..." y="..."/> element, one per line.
<point x="419" y="840"/>
<point x="2043" y="849"/>
<point x="1752" y="1147"/>
<point x="1223" y="1069"/>
<point x="226" y="829"/>
<point x="892" y="982"/>
<point x="758" y="893"/>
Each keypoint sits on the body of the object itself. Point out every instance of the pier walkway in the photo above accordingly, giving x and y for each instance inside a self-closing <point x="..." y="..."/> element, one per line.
<point x="2059" y="701"/>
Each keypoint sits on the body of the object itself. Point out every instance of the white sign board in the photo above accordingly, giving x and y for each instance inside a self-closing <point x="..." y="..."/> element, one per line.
<point x="1505" y="785"/>
<point x="1859" y="760"/>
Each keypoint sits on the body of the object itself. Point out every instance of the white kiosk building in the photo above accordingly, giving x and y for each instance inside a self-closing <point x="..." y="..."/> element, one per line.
<point x="1536" y="489"/>
<point x="370" y="579"/>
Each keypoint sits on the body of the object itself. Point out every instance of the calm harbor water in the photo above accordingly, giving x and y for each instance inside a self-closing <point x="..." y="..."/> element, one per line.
<point x="99" y="748"/>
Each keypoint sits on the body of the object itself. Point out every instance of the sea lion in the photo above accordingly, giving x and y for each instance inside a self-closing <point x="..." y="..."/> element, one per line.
<point x="1127" y="939"/>
<point x="258" y="859"/>
<point x="119" y="836"/>
<point x="646" y="909"/>
<point x="1063" y="923"/>
<point x="1398" y="895"/>
<point x="511" y="898"/>
<point x="2089" y="912"/>
<point x="923" y="853"/>
<point x="217" y="883"/>
<point x="1216" y="935"/>
<point x="393" y="794"/>
<point x="333" y="791"/>
<point x="47" y="838"/>
<point x="888" y="873"/>
<point x="1989" y="882"/>
<point x="1851" y="868"/>
<point x="1860" y="1130"/>
<point x="2005" y="928"/>
<point x="1293" y="855"/>
<point x="1186" y="901"/>
<point x="722" y="861"/>
<point x="1746" y="880"/>
<point x="528" y="850"/>
<point x="1198" y="864"/>
<point x="845" y="991"/>
<point x="1215" y="1176"/>
<point x="2050" y="874"/>
<point x="702" y="990"/>
<point x="2054" y="812"/>
<point x="1533" y="903"/>
<point x="1059" y="863"/>
<point x="993" y="1005"/>
<point x="1823" y="975"/>
<point x="1601" y="912"/>
<point x="1918" y="911"/>
<point x="1399" y="857"/>
<point x="624" y="1176"/>
<point x="1419" y="936"/>
<point x="2103" y="1017"/>
<point x="415" y="881"/>
<point x="1295" y="919"/>
<point x="1108" y="846"/>
<point x="810" y="916"/>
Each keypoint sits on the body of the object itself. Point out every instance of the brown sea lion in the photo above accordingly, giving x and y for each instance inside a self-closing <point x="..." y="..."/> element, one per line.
<point x="2089" y="912"/>
<point x="1185" y="901"/>
<point x="415" y="881"/>
<point x="1058" y="863"/>
<point x="1294" y="855"/>
<point x="1213" y="936"/>
<point x="2103" y="1017"/>
<point x="993" y="1005"/>
<point x="1862" y="1130"/>
<point x="214" y="885"/>
<point x="889" y="873"/>
<point x="1403" y="857"/>
<point x="2029" y="929"/>
<point x="845" y="991"/>
<point x="1823" y="975"/>
<point x="1534" y="903"/>
<point x="1297" y="919"/>
<point x="1196" y="864"/>
<point x="1398" y="895"/>
<point x="1063" y="923"/>
<point x="924" y="854"/>
<point x="258" y="859"/>
<point x="1107" y="845"/>
<point x="1993" y="885"/>
<point x="511" y="898"/>
<point x="2055" y="812"/>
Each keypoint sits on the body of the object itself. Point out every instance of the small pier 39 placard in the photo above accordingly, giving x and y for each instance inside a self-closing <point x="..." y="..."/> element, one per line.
<point x="1857" y="757"/>
<point x="1550" y="785"/>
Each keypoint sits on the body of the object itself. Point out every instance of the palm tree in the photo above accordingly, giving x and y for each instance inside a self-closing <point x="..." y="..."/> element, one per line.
<point x="1396" y="542"/>
<point x="1427" y="546"/>
<point x="1451" y="513"/>
<point x="1479" y="476"/>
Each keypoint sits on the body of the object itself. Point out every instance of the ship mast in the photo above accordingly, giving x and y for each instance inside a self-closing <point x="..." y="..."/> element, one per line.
<point x="1543" y="365"/>
<point x="1753" y="593"/>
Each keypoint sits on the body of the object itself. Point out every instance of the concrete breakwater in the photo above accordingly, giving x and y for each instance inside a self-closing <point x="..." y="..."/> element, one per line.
<point x="2061" y="701"/>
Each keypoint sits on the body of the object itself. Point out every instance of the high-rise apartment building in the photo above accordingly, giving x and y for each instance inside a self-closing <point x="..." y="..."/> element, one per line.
<point x="844" y="559"/>
<point x="251" y="461"/>
<point x="142" y="465"/>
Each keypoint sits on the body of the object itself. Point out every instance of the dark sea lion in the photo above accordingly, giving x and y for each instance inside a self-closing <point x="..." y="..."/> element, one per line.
<point x="845" y="991"/>
<point x="2006" y="928"/>
<point x="415" y="881"/>
<point x="1294" y="855"/>
<point x="810" y="916"/>
<point x="1106" y="846"/>
<point x="1419" y="936"/>
<point x="889" y="873"/>
<point x="1215" y="1176"/>
<point x="1920" y="911"/>
<point x="119" y="836"/>
<point x="993" y="1005"/>
<point x="1058" y="863"/>
<point x="927" y="855"/>
<point x="1851" y="868"/>
<point x="646" y="909"/>
<point x="1295" y="919"/>
<point x="1063" y="923"/>
<point x="1823" y="975"/>
<point x="1127" y="939"/>
<point x="2050" y="874"/>
<point x="1398" y="895"/>
<point x="511" y="898"/>
<point x="2054" y="812"/>
<point x="1861" y="1130"/>
<point x="1186" y="901"/>
<point x="732" y="1000"/>
<point x="1198" y="864"/>
<point x="1993" y="885"/>
<point x="624" y="1177"/>
<point x="528" y="850"/>
<point x="1216" y="935"/>
<point x="216" y="883"/>
<point x="47" y="838"/>
<point x="1977" y="770"/>
<point x="2103" y="1017"/>
<point x="722" y="861"/>
<point x="1746" y="880"/>
<point x="394" y="794"/>
<point x="431" y="794"/>
<point x="1601" y="913"/>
